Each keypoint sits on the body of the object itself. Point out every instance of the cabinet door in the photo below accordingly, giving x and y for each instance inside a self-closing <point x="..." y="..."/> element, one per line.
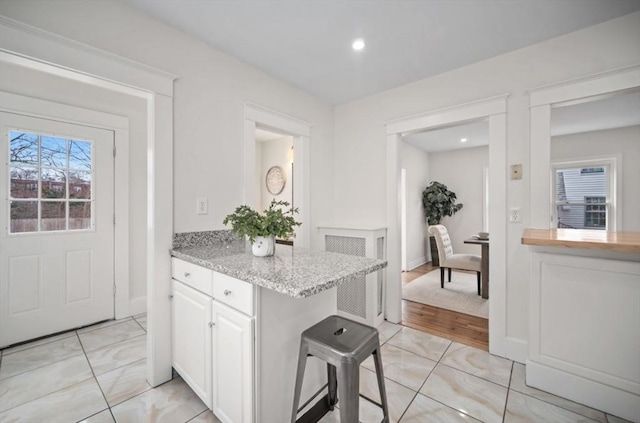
<point x="191" y="338"/>
<point x="232" y="365"/>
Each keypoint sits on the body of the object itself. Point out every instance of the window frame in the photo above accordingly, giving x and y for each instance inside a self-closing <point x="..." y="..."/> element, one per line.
<point x="613" y="170"/>
<point x="39" y="199"/>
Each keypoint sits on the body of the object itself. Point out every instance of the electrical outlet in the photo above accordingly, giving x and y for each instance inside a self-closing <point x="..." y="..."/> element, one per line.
<point x="516" y="172"/>
<point x="515" y="215"/>
<point x="202" y="205"/>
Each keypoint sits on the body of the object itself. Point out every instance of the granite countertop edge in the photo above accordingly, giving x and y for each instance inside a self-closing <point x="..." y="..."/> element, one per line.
<point x="287" y="287"/>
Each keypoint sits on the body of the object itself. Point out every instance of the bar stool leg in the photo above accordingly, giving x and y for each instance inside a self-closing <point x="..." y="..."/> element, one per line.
<point x="333" y="386"/>
<point x="349" y="388"/>
<point x="302" y="363"/>
<point x="377" y="359"/>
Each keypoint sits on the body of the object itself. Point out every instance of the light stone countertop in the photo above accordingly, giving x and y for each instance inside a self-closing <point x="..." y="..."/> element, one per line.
<point x="294" y="271"/>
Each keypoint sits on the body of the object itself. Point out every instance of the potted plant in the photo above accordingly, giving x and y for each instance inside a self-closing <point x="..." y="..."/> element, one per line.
<point x="438" y="202"/>
<point x="261" y="229"/>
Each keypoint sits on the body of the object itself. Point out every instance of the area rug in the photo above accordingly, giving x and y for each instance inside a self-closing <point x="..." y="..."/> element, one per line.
<point x="461" y="294"/>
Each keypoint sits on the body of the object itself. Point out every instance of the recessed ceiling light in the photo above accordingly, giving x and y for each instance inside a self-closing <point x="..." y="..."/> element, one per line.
<point x="463" y="140"/>
<point x="358" y="44"/>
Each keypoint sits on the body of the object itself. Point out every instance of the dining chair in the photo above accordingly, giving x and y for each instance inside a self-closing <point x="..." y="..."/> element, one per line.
<point x="449" y="260"/>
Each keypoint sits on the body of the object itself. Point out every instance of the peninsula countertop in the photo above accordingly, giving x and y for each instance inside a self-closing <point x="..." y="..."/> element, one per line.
<point x="627" y="242"/>
<point x="293" y="271"/>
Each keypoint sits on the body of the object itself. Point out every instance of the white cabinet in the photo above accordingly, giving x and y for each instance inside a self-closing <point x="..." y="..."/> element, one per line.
<point x="232" y="352"/>
<point x="191" y="338"/>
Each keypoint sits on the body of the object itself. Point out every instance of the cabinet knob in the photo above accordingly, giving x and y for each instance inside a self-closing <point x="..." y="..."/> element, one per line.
<point x="211" y="324"/>
<point x="187" y="274"/>
<point x="170" y="296"/>
<point x="227" y="292"/>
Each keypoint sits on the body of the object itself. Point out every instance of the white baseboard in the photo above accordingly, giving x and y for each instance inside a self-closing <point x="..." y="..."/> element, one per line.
<point x="417" y="262"/>
<point x="516" y="349"/>
<point x="137" y="305"/>
<point x="584" y="391"/>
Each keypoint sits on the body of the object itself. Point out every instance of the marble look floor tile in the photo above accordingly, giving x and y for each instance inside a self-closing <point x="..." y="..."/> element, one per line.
<point x="469" y="394"/>
<point x="117" y="355"/>
<point x="398" y="397"/>
<point x="70" y="404"/>
<point x="172" y="402"/>
<point x="142" y="321"/>
<point x="42" y="355"/>
<point x="525" y="409"/>
<point x="39" y="342"/>
<point x="426" y="410"/>
<point x="479" y="363"/>
<point x="423" y="344"/>
<point x="518" y="384"/>
<point x="42" y="381"/>
<point x="386" y="330"/>
<point x="102" y="325"/>
<point x="102" y="417"/>
<point x="614" y="419"/>
<point x="125" y="382"/>
<point x="404" y="367"/>
<point x="206" y="417"/>
<point x="110" y="335"/>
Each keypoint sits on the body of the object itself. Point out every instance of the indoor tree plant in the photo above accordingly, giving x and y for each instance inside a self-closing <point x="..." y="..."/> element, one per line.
<point x="262" y="228"/>
<point x="438" y="202"/>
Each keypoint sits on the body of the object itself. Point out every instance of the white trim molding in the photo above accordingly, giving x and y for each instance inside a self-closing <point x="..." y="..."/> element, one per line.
<point x="256" y="116"/>
<point x="33" y="48"/>
<point x="494" y="109"/>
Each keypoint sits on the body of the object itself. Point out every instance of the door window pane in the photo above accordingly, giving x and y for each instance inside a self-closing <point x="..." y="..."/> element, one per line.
<point x="23" y="148"/>
<point x="79" y="215"/>
<point x="79" y="155"/>
<point x="53" y="216"/>
<point x="79" y="184"/>
<point x="53" y="152"/>
<point x="24" y="182"/>
<point x="23" y="216"/>
<point x="54" y="183"/>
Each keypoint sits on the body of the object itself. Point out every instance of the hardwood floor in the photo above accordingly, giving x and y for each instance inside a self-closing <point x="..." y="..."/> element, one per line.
<point x="459" y="327"/>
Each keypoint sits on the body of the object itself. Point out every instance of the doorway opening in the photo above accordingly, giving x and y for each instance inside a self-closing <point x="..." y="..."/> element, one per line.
<point x="492" y="110"/>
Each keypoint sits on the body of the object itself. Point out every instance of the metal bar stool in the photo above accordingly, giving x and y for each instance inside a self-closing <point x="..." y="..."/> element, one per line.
<point x="343" y="344"/>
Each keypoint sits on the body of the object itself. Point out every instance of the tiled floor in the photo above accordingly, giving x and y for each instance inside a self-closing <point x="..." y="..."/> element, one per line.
<point x="97" y="374"/>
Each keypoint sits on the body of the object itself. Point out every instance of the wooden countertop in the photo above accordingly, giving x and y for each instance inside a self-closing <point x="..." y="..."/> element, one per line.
<point x="627" y="242"/>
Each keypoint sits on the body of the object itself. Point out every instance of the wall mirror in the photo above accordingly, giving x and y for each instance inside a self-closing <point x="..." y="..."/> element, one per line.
<point x="585" y="146"/>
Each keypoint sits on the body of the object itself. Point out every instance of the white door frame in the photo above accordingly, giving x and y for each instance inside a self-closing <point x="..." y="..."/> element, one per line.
<point x="262" y="117"/>
<point x="542" y="100"/>
<point x="28" y="106"/>
<point x="494" y="109"/>
<point x="33" y="48"/>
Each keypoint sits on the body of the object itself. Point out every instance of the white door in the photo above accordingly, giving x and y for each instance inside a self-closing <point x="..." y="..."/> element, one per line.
<point x="191" y="338"/>
<point x="56" y="238"/>
<point x="232" y="365"/>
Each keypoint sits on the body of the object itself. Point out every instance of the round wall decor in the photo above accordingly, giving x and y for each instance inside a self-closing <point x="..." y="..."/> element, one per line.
<point x="275" y="180"/>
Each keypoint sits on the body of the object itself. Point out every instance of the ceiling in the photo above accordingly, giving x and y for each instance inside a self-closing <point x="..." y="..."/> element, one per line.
<point x="307" y="43"/>
<point x="616" y="111"/>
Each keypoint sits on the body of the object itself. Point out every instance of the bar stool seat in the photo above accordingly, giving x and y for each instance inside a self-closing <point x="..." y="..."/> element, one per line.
<point x="343" y="344"/>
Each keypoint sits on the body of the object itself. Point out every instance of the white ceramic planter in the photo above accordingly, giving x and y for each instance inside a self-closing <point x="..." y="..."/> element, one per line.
<point x="264" y="246"/>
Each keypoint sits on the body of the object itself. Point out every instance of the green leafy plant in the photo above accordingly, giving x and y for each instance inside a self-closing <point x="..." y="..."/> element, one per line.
<point x="439" y="202"/>
<point x="274" y="221"/>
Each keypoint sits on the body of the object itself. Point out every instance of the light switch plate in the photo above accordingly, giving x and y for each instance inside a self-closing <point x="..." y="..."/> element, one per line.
<point x="516" y="172"/>
<point x="202" y="205"/>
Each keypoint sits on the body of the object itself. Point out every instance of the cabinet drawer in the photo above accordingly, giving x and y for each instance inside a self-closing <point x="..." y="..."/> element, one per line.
<point x="233" y="292"/>
<point x="195" y="276"/>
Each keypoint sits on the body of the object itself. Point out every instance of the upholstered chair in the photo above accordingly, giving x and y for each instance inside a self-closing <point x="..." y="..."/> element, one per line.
<point x="449" y="260"/>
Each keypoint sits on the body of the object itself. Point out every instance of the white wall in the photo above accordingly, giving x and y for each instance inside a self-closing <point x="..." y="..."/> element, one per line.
<point x="415" y="161"/>
<point x="359" y="126"/>
<point x="275" y="153"/>
<point x="209" y="95"/>
<point x="609" y="143"/>
<point x="208" y="103"/>
<point x="462" y="172"/>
